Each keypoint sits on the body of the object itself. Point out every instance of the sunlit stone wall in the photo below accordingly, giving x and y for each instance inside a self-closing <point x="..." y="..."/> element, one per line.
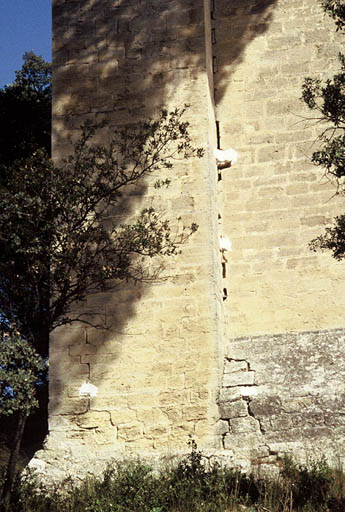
<point x="283" y="386"/>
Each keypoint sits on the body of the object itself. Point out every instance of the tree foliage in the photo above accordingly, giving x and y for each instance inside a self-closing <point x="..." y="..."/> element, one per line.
<point x="20" y="370"/>
<point x="336" y="9"/>
<point x="25" y="112"/>
<point x="60" y="240"/>
<point x="327" y="101"/>
<point x="25" y="128"/>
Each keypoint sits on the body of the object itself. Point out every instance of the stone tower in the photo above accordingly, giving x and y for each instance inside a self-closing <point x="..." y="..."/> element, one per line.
<point x="243" y="353"/>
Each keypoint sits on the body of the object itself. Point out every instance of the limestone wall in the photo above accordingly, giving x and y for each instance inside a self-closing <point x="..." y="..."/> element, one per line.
<point x="274" y="306"/>
<point x="284" y="394"/>
<point x="274" y="200"/>
<point x="158" y="366"/>
<point x="283" y="386"/>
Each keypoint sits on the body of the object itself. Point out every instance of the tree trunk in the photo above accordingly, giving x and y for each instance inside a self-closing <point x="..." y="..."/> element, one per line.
<point x="12" y="463"/>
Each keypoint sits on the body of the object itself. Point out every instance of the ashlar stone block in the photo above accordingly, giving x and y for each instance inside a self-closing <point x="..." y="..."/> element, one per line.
<point x="235" y="366"/>
<point x="244" y="425"/>
<point x="239" y="379"/>
<point x="233" y="409"/>
<point x="130" y="431"/>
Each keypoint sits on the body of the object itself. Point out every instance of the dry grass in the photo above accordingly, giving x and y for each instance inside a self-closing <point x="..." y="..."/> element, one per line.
<point x="190" y="486"/>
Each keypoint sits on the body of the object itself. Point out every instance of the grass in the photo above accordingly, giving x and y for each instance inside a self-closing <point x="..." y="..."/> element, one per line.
<point x="189" y="486"/>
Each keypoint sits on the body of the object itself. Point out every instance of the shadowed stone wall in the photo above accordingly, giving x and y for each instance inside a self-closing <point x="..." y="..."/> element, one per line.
<point x="275" y="308"/>
<point x="158" y="365"/>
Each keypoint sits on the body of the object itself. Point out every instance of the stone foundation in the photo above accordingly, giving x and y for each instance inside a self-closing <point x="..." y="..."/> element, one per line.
<point x="284" y="394"/>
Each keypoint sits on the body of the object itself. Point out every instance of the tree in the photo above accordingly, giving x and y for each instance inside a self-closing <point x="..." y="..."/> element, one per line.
<point x="25" y="114"/>
<point x="59" y="238"/>
<point x="20" y="370"/>
<point x="25" y="111"/>
<point x="327" y="100"/>
<point x="335" y="9"/>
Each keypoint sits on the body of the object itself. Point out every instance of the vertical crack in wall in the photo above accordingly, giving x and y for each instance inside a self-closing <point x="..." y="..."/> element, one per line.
<point x="213" y="43"/>
<point x="218" y="134"/>
<point x="212" y="7"/>
<point x="237" y="417"/>
<point x="214" y="60"/>
<point x="250" y="413"/>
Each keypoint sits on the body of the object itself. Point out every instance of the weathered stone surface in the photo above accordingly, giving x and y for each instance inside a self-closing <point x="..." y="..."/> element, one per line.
<point x="130" y="431"/>
<point x="265" y="406"/>
<point x="238" y="379"/>
<point x="229" y="394"/>
<point x="307" y="405"/>
<point x="222" y="427"/>
<point x="246" y="445"/>
<point x="233" y="409"/>
<point x="93" y="419"/>
<point x="235" y="366"/>
<point x="244" y="425"/>
<point x="158" y="366"/>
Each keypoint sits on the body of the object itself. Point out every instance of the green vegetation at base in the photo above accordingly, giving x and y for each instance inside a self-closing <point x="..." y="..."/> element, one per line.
<point x="192" y="485"/>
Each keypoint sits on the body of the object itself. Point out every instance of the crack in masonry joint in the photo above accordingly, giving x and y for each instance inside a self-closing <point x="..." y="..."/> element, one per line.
<point x="107" y="412"/>
<point x="270" y="451"/>
<point x="223" y="439"/>
<point x="214" y="64"/>
<point x="218" y="134"/>
<point x="212" y="9"/>
<point x="249" y="369"/>
<point x="250" y="413"/>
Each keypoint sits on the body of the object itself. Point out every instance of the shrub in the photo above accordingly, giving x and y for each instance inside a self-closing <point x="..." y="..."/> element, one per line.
<point x="192" y="485"/>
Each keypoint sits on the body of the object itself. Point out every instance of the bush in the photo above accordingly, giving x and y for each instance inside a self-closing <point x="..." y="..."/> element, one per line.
<point x="192" y="485"/>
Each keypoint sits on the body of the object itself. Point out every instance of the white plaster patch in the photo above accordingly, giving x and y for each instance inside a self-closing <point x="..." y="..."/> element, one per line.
<point x="225" y="157"/>
<point x="249" y="391"/>
<point x="225" y="243"/>
<point x="87" y="389"/>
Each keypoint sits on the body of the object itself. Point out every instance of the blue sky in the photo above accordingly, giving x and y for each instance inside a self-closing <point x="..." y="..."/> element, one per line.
<point x="24" y="25"/>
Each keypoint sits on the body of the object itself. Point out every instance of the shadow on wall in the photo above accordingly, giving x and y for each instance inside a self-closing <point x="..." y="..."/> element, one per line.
<point x="123" y="60"/>
<point x="244" y="20"/>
